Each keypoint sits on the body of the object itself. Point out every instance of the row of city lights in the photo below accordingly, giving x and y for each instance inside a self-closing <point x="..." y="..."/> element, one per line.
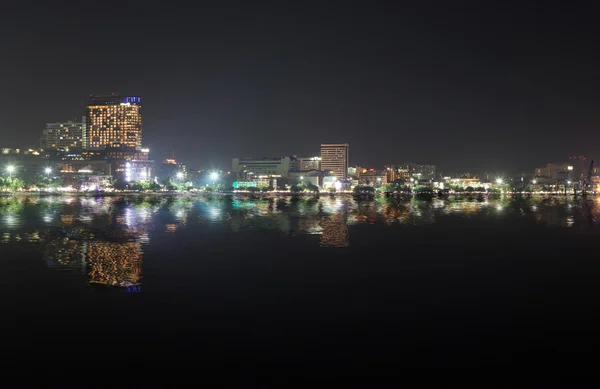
<point x="10" y="169"/>
<point x="213" y="175"/>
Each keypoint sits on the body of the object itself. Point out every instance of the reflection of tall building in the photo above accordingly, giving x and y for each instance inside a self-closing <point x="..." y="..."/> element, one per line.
<point x="335" y="231"/>
<point x="65" y="254"/>
<point x="108" y="263"/>
<point x="114" y="263"/>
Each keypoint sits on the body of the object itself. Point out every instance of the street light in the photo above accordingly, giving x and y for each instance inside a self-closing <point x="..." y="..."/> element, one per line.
<point x="48" y="170"/>
<point x="180" y="175"/>
<point x="499" y="181"/>
<point x="10" y="169"/>
<point x="214" y="176"/>
<point x="534" y="182"/>
<point x="301" y="177"/>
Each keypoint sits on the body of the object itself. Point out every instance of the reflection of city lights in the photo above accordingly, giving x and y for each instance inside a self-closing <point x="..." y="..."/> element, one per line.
<point x="118" y="264"/>
<point x="144" y="214"/>
<point x="129" y="219"/>
<point x="215" y="213"/>
<point x="10" y="220"/>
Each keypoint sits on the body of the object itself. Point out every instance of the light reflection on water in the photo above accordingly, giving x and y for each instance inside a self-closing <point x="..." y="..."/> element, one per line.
<point x="105" y="237"/>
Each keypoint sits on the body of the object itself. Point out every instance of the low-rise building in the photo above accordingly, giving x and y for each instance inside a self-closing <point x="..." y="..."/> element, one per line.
<point x="248" y="169"/>
<point x="555" y="171"/>
<point x="372" y="177"/>
<point x="313" y="176"/>
<point x="304" y="163"/>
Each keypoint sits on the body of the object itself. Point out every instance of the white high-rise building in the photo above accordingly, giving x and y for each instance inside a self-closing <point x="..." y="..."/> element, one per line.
<point x="334" y="158"/>
<point x="63" y="135"/>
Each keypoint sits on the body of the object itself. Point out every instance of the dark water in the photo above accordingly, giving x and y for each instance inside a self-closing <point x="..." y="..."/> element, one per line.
<point x="288" y="285"/>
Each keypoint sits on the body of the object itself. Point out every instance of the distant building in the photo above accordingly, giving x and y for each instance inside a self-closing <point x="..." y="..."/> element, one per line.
<point x="555" y="171"/>
<point x="248" y="169"/>
<point x="408" y="170"/>
<point x="170" y="169"/>
<point x="372" y="177"/>
<point x="63" y="135"/>
<point x="313" y="176"/>
<point x="422" y="171"/>
<point x="113" y="121"/>
<point x="298" y="164"/>
<point x="334" y="158"/>
<point x="397" y="172"/>
<point x="127" y="153"/>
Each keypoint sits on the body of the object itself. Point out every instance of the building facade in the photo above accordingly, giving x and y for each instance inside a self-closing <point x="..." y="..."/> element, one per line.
<point x="374" y="178"/>
<point x="63" y="135"/>
<point x="408" y="170"/>
<point x="248" y="169"/>
<point x="334" y="159"/>
<point x="298" y="164"/>
<point x="555" y="171"/>
<point x="113" y="121"/>
<point x="422" y="171"/>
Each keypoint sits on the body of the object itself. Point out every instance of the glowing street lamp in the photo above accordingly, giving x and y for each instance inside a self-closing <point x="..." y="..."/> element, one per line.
<point x="10" y="169"/>
<point x="47" y="170"/>
<point x="180" y="175"/>
<point x="534" y="182"/>
<point x="214" y="176"/>
<point x="499" y="181"/>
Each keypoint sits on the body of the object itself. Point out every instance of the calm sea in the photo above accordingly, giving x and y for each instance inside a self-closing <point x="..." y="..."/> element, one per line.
<point x="289" y="284"/>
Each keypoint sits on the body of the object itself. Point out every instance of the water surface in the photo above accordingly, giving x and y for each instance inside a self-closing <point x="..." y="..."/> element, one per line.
<point x="286" y="282"/>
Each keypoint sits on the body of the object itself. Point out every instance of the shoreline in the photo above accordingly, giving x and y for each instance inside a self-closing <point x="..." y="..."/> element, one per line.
<point x="281" y="194"/>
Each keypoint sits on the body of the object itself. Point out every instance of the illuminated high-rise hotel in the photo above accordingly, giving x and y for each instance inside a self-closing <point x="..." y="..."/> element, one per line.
<point x="334" y="158"/>
<point x="113" y="121"/>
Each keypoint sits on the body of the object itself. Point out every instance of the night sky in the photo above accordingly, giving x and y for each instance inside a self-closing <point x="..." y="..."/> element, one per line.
<point x="465" y="87"/>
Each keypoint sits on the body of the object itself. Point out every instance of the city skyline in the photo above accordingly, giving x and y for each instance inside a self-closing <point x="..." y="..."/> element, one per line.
<point x="480" y="88"/>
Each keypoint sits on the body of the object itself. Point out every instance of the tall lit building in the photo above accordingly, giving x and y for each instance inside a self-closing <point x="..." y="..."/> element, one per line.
<point x="63" y="135"/>
<point x="113" y="121"/>
<point x="334" y="158"/>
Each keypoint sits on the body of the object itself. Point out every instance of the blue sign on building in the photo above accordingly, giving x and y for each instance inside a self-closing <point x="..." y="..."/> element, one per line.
<point x="132" y="100"/>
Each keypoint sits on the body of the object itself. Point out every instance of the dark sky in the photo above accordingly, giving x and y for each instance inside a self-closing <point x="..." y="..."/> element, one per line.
<point x="459" y="85"/>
